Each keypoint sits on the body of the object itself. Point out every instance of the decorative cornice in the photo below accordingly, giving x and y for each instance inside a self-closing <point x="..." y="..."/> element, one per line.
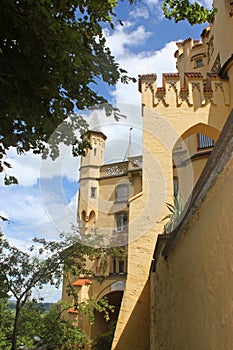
<point x="150" y="77"/>
<point x="95" y="133"/>
<point x="207" y="87"/>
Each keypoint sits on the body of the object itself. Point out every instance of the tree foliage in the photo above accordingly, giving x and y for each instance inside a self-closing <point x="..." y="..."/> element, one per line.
<point x="40" y="328"/>
<point x="51" y="55"/>
<point x="104" y="341"/>
<point x="184" y="9"/>
<point x="46" y="262"/>
<point x="6" y="323"/>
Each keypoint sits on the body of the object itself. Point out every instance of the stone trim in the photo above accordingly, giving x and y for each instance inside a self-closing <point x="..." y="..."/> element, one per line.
<point x="223" y="71"/>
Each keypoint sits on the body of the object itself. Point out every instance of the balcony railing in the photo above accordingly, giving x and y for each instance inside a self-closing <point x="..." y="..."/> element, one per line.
<point x="119" y="238"/>
<point x="120" y="168"/>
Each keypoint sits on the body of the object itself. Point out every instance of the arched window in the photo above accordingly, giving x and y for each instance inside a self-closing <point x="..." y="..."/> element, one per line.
<point x="83" y="222"/>
<point x="92" y="218"/>
<point x="122" y="193"/>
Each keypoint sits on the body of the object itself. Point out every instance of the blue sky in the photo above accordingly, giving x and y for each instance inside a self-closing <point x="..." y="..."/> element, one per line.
<point x="45" y="201"/>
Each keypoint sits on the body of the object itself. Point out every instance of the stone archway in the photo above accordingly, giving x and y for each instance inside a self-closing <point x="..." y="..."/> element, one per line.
<point x="190" y="154"/>
<point x="101" y="326"/>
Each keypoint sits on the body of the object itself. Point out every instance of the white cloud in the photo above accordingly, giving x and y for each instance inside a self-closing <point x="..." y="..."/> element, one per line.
<point x="124" y="43"/>
<point x="62" y="212"/>
<point x="35" y="213"/>
<point x="28" y="168"/>
<point x="122" y="38"/>
<point x="206" y="3"/>
<point x="155" y="9"/>
<point x="49" y="293"/>
<point x="25" y="167"/>
<point x="152" y="2"/>
<point x="139" y="12"/>
<point x="26" y="212"/>
<point x="65" y="165"/>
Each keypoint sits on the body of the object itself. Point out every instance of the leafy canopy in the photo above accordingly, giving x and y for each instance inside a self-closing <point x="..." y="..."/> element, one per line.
<point x="184" y="9"/>
<point x="45" y="262"/>
<point x="51" y="55"/>
<point x="39" y="328"/>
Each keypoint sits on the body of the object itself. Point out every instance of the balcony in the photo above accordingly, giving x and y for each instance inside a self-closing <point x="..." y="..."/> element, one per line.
<point x="119" y="238"/>
<point x="121" y="168"/>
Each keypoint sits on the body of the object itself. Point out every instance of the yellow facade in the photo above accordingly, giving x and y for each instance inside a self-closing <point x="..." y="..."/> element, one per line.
<point x="176" y="285"/>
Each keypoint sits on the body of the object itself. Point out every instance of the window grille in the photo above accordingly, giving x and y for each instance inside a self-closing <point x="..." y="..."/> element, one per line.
<point x="204" y="141"/>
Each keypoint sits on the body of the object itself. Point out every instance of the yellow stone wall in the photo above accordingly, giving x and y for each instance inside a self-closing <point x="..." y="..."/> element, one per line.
<point x="191" y="291"/>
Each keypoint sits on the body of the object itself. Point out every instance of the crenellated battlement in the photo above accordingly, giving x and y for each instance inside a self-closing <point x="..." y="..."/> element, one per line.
<point x="194" y="91"/>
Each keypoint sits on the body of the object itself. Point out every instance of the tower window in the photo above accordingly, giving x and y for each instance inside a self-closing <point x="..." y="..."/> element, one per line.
<point x="93" y="192"/>
<point x="119" y="266"/>
<point x="94" y="151"/>
<point x="199" y="63"/>
<point x="122" y="221"/>
<point x="204" y="141"/>
<point x="198" y="60"/>
<point x="122" y="193"/>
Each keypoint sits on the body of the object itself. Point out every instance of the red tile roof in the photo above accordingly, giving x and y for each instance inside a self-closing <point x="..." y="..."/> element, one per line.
<point x="72" y="310"/>
<point x="184" y="90"/>
<point x="81" y="281"/>
<point x="212" y="75"/>
<point x="171" y="75"/>
<point x="193" y="75"/>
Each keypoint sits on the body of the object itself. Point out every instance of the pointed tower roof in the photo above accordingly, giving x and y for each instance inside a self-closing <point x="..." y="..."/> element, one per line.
<point x="129" y="151"/>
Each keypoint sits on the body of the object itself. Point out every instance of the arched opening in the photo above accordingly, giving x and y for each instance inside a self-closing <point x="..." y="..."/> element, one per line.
<point x="102" y="330"/>
<point x="190" y="155"/>
<point x="92" y="218"/>
<point x="91" y="223"/>
<point x="83" y="222"/>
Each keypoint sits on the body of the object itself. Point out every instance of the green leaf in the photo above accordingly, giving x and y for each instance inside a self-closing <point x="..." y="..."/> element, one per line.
<point x="10" y="180"/>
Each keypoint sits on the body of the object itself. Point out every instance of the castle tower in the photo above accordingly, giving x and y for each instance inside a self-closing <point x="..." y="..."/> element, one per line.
<point x="88" y="183"/>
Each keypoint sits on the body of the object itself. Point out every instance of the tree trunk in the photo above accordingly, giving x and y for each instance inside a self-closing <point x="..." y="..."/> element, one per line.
<point x="16" y="323"/>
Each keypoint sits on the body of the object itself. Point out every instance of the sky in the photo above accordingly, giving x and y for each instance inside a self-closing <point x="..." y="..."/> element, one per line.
<point x="44" y="202"/>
